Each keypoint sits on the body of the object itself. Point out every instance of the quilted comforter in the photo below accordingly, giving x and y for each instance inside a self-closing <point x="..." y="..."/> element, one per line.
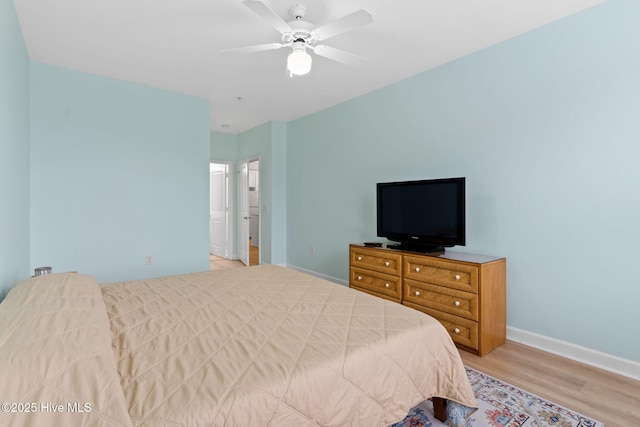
<point x="258" y="346"/>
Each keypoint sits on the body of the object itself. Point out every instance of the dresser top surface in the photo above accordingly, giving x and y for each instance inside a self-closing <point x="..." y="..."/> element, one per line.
<point x="448" y="255"/>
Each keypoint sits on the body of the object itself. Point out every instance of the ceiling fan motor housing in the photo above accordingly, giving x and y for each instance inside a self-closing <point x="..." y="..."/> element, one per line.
<point x="301" y="30"/>
<point x="298" y="11"/>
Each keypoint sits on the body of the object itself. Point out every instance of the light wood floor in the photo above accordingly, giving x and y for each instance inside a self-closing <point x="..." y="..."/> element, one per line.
<point x="217" y="263"/>
<point x="607" y="397"/>
<point x="254" y="254"/>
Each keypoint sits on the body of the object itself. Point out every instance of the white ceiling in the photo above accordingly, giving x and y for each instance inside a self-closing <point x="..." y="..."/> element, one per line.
<point x="175" y="45"/>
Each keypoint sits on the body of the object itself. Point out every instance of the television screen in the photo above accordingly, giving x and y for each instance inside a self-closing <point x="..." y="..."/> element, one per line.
<point x="427" y="214"/>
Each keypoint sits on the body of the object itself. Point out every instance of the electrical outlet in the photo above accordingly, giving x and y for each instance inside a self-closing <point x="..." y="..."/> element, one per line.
<point x="313" y="249"/>
<point x="148" y="259"/>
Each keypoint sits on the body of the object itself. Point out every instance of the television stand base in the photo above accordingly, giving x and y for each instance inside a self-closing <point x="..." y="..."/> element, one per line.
<point x="416" y="247"/>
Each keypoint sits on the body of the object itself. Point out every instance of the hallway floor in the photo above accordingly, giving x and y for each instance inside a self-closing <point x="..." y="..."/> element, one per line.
<point x="219" y="263"/>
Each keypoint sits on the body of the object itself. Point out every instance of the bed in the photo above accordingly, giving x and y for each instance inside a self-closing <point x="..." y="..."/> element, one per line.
<point x="256" y="346"/>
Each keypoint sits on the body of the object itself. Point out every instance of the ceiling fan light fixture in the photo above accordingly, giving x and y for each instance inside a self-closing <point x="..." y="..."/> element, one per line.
<point x="299" y="61"/>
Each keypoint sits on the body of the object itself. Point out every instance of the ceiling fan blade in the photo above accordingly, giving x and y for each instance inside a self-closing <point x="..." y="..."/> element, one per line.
<point x="349" y="22"/>
<point x="339" y="55"/>
<point x="268" y="15"/>
<point x="251" y="49"/>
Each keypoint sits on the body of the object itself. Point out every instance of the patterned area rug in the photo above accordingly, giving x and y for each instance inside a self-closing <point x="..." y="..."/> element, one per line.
<point x="503" y="405"/>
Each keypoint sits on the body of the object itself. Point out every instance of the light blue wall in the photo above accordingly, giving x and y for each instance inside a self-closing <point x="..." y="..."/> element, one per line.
<point x="14" y="151"/>
<point x="546" y="128"/>
<point x="118" y="171"/>
<point x="278" y="226"/>
<point x="224" y="147"/>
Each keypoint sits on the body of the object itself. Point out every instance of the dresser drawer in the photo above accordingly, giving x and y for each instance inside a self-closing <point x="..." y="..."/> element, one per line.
<point x="381" y="283"/>
<point x="452" y="275"/>
<point x="463" y="331"/>
<point x="377" y="260"/>
<point x="452" y="301"/>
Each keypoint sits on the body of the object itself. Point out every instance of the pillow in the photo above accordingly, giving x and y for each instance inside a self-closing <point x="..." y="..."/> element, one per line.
<point x="56" y="362"/>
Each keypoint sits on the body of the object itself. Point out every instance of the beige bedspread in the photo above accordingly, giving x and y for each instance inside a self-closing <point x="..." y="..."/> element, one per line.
<point x="56" y="363"/>
<point x="269" y="346"/>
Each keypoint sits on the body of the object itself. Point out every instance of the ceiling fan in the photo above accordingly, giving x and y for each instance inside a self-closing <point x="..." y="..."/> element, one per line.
<point x="300" y="35"/>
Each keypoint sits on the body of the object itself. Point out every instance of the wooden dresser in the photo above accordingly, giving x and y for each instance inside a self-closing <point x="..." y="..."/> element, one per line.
<point x="465" y="292"/>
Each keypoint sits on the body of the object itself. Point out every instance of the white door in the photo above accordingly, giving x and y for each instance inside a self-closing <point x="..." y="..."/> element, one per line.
<point x="243" y="212"/>
<point x="219" y="210"/>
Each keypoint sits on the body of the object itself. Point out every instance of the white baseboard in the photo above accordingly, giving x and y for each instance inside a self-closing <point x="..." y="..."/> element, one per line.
<point x="605" y="361"/>
<point x="320" y="275"/>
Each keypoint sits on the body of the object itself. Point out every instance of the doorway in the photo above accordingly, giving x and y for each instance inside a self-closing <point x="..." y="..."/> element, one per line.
<point x="220" y="183"/>
<point x="254" y="212"/>
<point x="249" y="211"/>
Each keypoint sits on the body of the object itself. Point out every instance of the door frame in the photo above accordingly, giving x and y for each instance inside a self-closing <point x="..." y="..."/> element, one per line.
<point x="259" y="161"/>
<point x="239" y="219"/>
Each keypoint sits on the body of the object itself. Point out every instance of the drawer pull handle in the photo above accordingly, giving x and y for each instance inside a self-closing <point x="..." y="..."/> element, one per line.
<point x="386" y="285"/>
<point x="457" y="303"/>
<point x="417" y="269"/>
<point x="457" y="277"/>
<point x="386" y="263"/>
<point x="417" y="293"/>
<point x="456" y="330"/>
<point x="359" y="277"/>
<point x="359" y="258"/>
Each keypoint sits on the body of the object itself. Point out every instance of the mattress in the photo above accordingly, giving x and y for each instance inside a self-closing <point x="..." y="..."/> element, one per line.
<point x="257" y="346"/>
<point x="267" y="345"/>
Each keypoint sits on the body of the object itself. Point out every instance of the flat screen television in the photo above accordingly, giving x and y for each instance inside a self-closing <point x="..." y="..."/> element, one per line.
<point x="422" y="216"/>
